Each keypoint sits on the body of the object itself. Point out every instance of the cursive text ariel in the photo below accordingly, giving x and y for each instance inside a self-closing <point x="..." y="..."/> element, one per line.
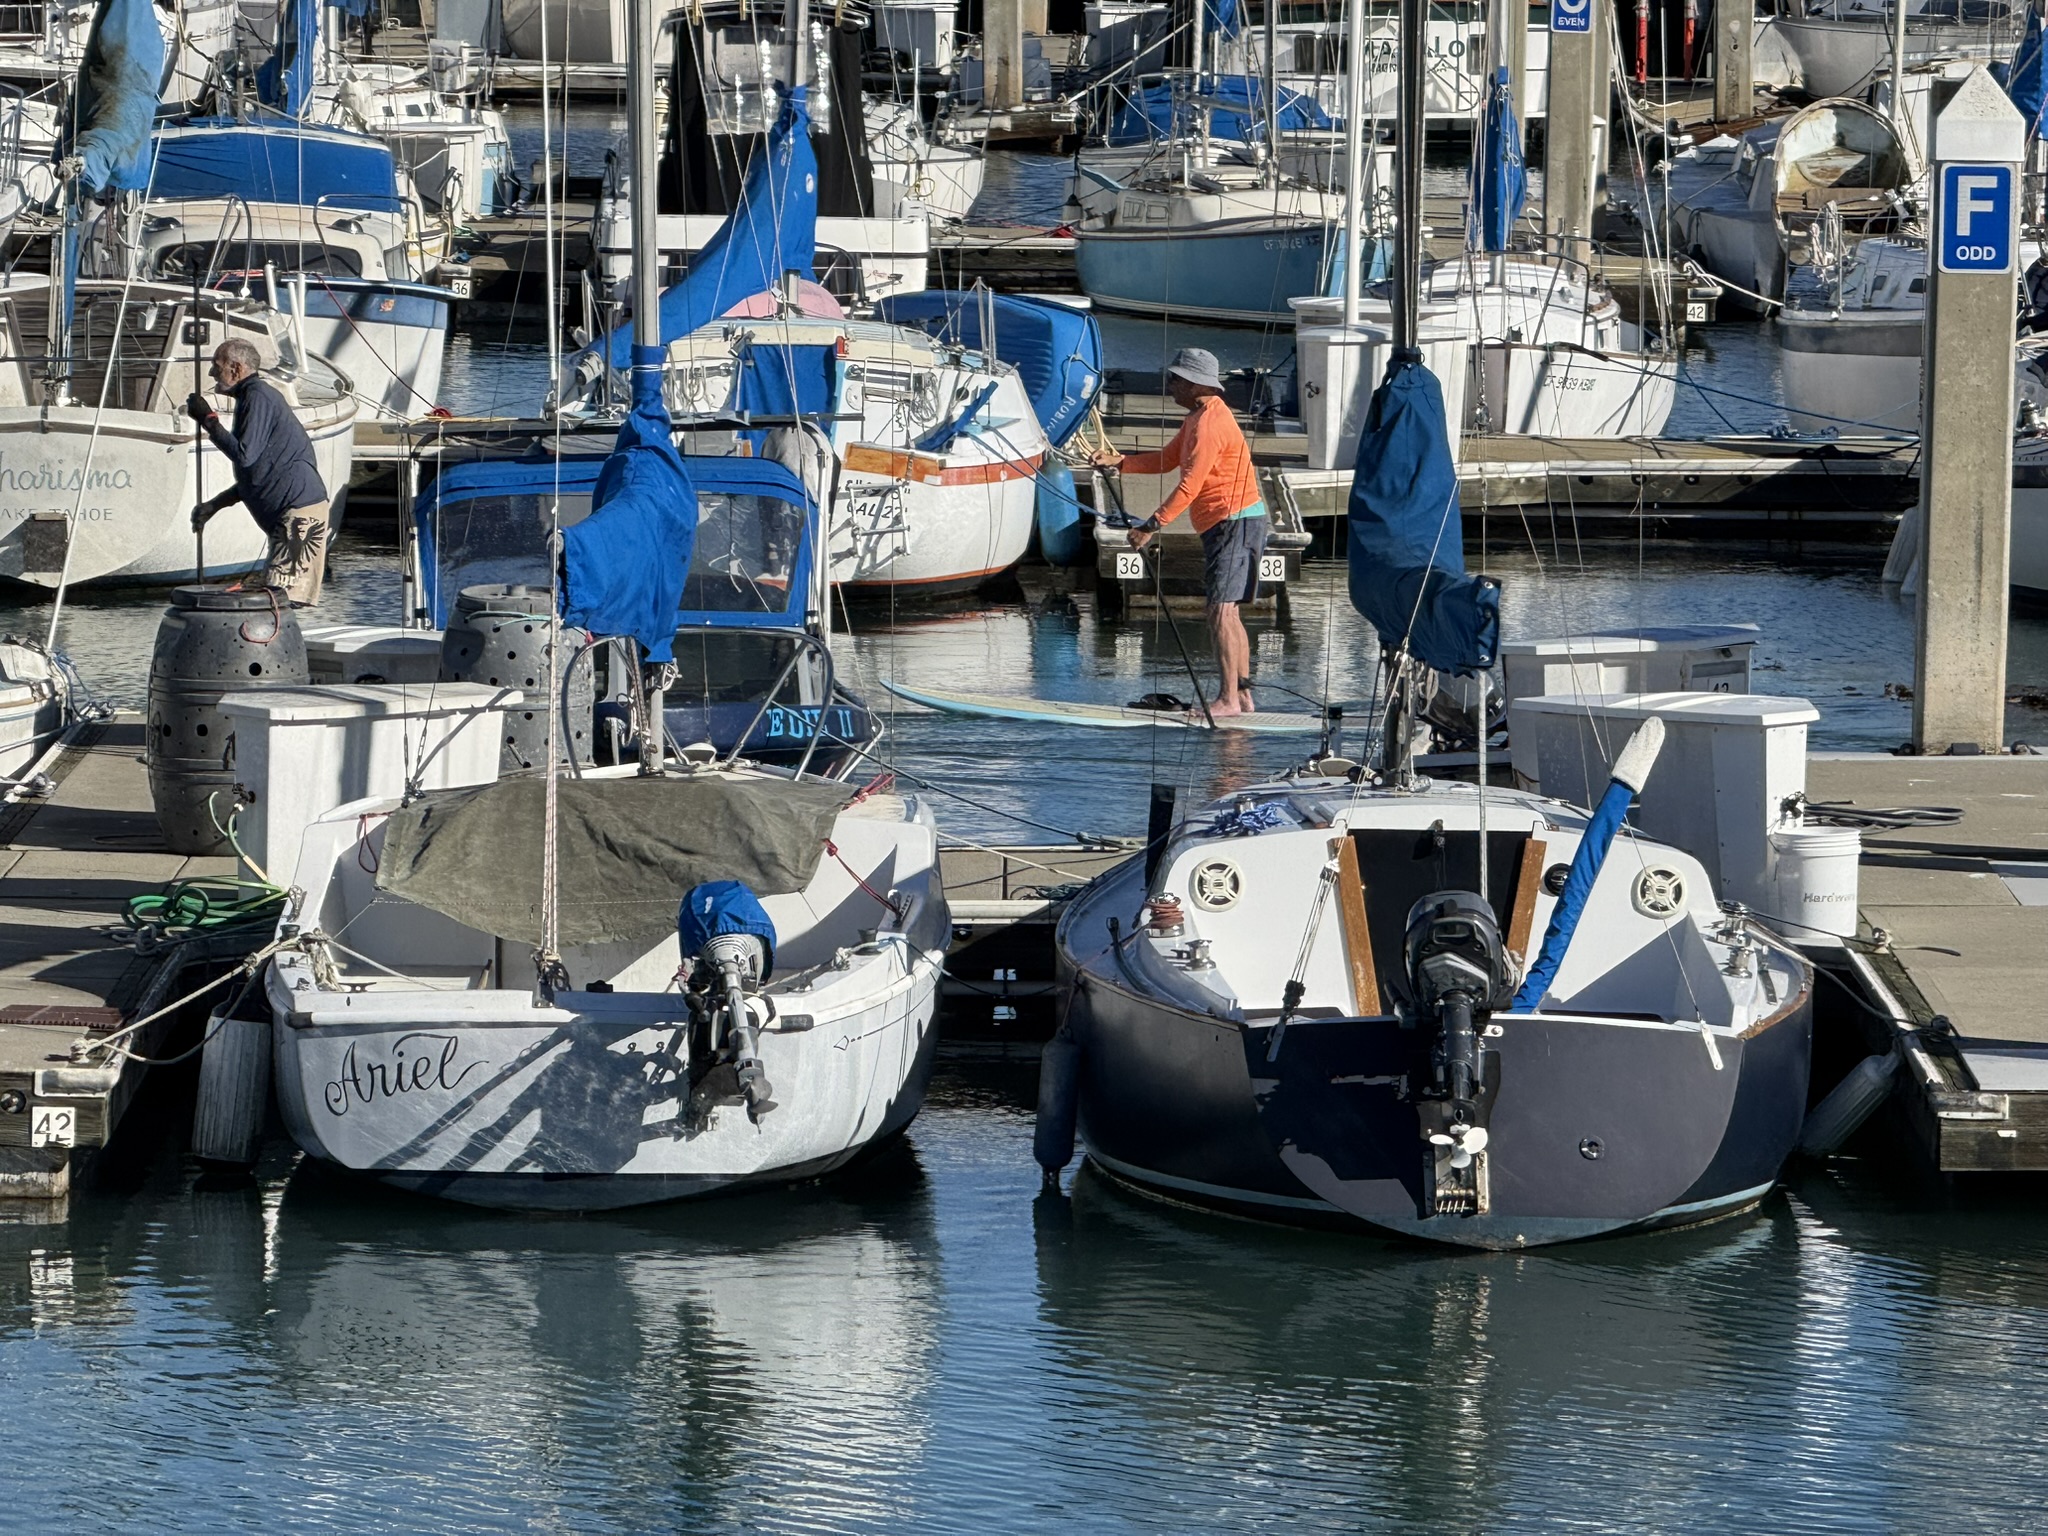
<point x="431" y="1065"/>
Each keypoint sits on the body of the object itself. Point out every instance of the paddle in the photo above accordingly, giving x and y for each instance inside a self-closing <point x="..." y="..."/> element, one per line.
<point x="198" y="434"/>
<point x="1158" y="563"/>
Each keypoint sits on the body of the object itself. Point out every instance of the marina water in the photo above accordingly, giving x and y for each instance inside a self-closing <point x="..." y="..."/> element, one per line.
<point x="930" y="1343"/>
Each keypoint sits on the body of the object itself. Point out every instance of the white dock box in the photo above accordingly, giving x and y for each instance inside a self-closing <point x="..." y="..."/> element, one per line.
<point x="304" y="751"/>
<point x="1707" y="658"/>
<point x="1339" y="369"/>
<point x="1730" y="761"/>
<point x="372" y="653"/>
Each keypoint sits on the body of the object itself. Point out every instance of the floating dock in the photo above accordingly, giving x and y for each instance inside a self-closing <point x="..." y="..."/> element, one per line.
<point x="69" y="861"/>
<point x="1957" y="966"/>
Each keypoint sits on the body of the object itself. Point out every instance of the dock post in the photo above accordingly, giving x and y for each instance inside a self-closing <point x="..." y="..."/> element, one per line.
<point x="1734" y="62"/>
<point x="1966" y="422"/>
<point x="1573" y="140"/>
<point x="1002" y="55"/>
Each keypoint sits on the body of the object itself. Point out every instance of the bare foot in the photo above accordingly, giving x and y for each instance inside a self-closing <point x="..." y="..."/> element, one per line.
<point x="1244" y="701"/>
<point x="1219" y="710"/>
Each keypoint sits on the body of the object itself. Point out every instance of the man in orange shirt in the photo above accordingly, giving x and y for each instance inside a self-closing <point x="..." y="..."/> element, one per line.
<point x="1220" y="491"/>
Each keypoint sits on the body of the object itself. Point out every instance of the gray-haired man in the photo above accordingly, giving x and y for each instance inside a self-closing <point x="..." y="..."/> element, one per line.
<point x="276" y="476"/>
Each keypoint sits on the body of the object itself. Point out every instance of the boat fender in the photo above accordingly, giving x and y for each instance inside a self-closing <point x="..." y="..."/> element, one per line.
<point x="1059" y="1095"/>
<point x="1062" y="534"/>
<point x="1851" y="1102"/>
<point x="234" y="1085"/>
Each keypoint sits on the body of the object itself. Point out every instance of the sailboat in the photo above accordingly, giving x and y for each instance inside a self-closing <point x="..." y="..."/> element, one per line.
<point x="1320" y="999"/>
<point x="480" y="994"/>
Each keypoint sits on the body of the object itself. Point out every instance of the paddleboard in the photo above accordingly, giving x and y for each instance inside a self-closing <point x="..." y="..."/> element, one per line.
<point x="995" y="706"/>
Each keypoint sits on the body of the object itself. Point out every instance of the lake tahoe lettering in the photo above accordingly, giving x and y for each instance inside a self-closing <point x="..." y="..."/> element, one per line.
<point x="368" y="1081"/>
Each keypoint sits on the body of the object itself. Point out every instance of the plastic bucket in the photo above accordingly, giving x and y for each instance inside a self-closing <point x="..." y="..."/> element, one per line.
<point x="1816" y="881"/>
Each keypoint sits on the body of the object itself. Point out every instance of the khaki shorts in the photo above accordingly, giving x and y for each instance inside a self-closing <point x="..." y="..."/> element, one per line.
<point x="298" y="555"/>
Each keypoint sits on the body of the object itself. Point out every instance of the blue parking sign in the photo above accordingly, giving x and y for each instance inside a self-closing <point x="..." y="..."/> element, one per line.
<point x="1571" y="15"/>
<point x="1976" y="219"/>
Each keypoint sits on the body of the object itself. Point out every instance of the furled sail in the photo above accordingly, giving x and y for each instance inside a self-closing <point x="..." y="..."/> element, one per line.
<point x="1500" y="183"/>
<point x="2026" y="79"/>
<point x="1406" y="545"/>
<point x="114" y="107"/>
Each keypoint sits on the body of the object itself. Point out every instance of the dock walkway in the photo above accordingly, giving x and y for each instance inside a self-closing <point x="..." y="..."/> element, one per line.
<point x="1962" y="960"/>
<point x="69" y="861"/>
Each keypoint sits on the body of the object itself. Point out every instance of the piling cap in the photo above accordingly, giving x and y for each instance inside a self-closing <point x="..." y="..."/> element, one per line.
<point x="252" y="598"/>
<point x="1980" y="123"/>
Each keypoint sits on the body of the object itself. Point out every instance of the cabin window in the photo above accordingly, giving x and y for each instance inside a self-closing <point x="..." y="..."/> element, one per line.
<point x="229" y="261"/>
<point x="1918" y="285"/>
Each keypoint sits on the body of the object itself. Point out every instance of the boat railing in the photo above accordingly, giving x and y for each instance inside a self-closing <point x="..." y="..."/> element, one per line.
<point x="807" y="644"/>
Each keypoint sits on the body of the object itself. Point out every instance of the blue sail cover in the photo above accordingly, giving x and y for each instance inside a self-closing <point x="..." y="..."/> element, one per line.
<point x="1500" y="183"/>
<point x="273" y="162"/>
<point x="114" y="106"/>
<point x="2026" y="80"/>
<point x="1147" y="115"/>
<point x="774" y="230"/>
<point x="624" y="566"/>
<point x="1406" y="544"/>
<point x="1225" y="16"/>
<point x="1055" y="348"/>
<point x="285" y="79"/>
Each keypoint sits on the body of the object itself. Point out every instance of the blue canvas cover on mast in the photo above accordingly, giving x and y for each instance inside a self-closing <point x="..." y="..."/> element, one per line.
<point x="1500" y="182"/>
<point x="285" y="79"/>
<point x="773" y="231"/>
<point x="114" y="105"/>
<point x="2026" y="79"/>
<point x="1407" y="551"/>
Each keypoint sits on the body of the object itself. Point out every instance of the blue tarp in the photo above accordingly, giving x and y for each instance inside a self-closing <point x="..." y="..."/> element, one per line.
<point x="1406" y="545"/>
<point x="1571" y="901"/>
<point x="723" y="906"/>
<point x="2026" y="79"/>
<point x="1225" y="16"/>
<point x="114" y="106"/>
<point x="1055" y="348"/>
<point x="623" y="567"/>
<point x="1499" y="182"/>
<point x="1148" y="114"/>
<point x="273" y="162"/>
<point x="285" y="79"/>
<point x="786" y="381"/>
<point x="774" y="230"/>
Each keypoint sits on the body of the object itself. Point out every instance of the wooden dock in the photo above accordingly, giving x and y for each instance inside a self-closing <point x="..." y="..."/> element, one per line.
<point x="1958" y="918"/>
<point x="69" y="861"/>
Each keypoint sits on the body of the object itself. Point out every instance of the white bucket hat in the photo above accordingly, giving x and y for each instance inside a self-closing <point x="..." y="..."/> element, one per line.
<point x="1197" y="367"/>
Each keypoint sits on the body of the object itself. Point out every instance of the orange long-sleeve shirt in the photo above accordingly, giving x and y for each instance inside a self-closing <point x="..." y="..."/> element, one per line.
<point x="1217" y="482"/>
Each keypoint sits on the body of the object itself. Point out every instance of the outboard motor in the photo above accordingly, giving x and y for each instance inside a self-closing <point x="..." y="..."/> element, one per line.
<point x="1456" y="974"/>
<point x="723" y="928"/>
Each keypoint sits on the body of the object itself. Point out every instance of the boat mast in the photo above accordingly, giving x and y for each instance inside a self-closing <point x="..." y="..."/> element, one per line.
<point x="1354" y="153"/>
<point x="646" y="303"/>
<point x="1408" y="148"/>
<point x="1272" y="85"/>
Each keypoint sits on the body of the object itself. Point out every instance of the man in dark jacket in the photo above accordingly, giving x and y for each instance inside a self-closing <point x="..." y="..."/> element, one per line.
<point x="276" y="477"/>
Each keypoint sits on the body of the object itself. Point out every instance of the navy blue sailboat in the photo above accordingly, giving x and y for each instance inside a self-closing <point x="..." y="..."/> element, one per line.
<point x="1318" y="999"/>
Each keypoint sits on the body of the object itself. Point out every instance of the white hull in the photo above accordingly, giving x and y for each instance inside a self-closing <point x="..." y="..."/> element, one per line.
<point x="1852" y="393"/>
<point x="1568" y="391"/>
<point x="882" y="256"/>
<point x="195" y="32"/>
<point x="394" y="366"/>
<point x="889" y="533"/>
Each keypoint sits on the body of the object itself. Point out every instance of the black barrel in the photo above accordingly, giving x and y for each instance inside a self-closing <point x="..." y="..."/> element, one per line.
<point x="211" y="643"/>
<point x="499" y="635"/>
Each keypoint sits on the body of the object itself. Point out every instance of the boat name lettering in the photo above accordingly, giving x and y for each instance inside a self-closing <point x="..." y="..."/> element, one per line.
<point x="365" y="1082"/>
<point x="784" y="724"/>
<point x="47" y="476"/>
<point x="76" y="514"/>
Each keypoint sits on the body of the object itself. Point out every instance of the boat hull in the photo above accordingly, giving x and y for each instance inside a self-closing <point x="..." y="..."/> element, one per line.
<point x="1244" y="273"/>
<point x="389" y="338"/>
<point x="1852" y="373"/>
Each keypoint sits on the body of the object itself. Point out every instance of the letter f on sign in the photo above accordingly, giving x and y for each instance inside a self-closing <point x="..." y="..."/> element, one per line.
<point x="1970" y="202"/>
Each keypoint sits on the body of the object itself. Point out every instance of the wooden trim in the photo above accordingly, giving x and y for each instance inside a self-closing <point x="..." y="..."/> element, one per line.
<point x="1522" y="910"/>
<point x="927" y="469"/>
<point x="1365" y="981"/>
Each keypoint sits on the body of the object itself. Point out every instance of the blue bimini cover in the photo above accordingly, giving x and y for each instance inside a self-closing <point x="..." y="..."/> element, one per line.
<point x="114" y="106"/>
<point x="774" y="230"/>
<point x="1500" y="183"/>
<point x="273" y="162"/>
<point x="723" y="906"/>
<point x="1055" y="348"/>
<point x="1148" y="114"/>
<point x="1406" y="544"/>
<point x="623" y="567"/>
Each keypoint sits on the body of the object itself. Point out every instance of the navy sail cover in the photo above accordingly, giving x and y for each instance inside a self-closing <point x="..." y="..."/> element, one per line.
<point x="1406" y="545"/>
<point x="1500" y="181"/>
<point x="114" y="106"/>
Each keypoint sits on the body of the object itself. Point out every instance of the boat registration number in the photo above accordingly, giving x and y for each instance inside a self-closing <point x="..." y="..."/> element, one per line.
<point x="53" y="1125"/>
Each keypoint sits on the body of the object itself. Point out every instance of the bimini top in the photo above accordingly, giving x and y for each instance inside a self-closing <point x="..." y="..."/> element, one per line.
<point x="273" y="161"/>
<point x="751" y="566"/>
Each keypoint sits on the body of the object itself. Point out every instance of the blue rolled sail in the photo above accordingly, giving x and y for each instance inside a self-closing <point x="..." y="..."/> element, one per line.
<point x="114" y="107"/>
<point x="1500" y="182"/>
<point x="624" y="565"/>
<point x="1406" y="545"/>
<point x="2026" y="79"/>
<point x="285" y="79"/>
<point x="773" y="231"/>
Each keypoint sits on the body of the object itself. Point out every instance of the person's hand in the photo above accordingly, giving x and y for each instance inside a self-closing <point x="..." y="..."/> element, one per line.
<point x="201" y="515"/>
<point x="1105" y="457"/>
<point x="1143" y="534"/>
<point x="198" y="407"/>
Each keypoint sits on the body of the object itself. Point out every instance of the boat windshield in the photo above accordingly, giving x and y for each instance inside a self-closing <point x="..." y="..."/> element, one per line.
<point x="238" y="259"/>
<point x="745" y="562"/>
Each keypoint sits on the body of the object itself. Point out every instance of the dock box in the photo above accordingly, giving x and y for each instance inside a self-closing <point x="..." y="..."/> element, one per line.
<point x="1708" y="658"/>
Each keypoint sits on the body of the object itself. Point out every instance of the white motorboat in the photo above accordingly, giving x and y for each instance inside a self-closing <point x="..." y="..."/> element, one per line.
<point x="911" y="166"/>
<point x="455" y="152"/>
<point x="98" y="464"/>
<point x="1843" y="47"/>
<point x="1745" y="208"/>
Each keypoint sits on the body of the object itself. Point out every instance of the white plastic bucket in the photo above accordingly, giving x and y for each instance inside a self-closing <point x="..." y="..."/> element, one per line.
<point x="1816" y="881"/>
